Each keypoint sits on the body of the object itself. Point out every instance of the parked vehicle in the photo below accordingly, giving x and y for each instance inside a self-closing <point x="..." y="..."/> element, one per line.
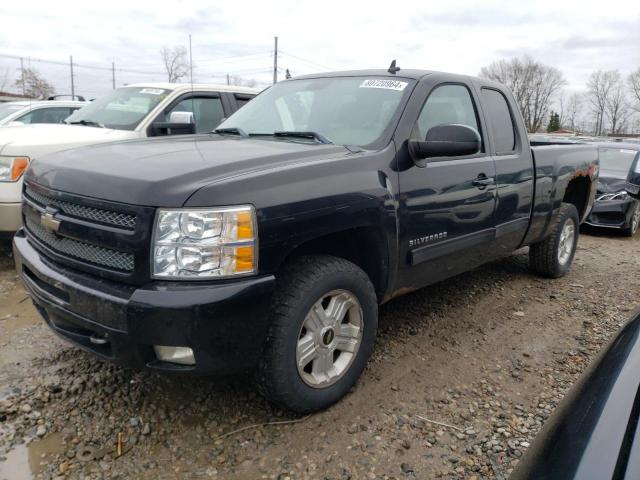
<point x="633" y="179"/>
<point x="30" y="112"/>
<point x="135" y="111"/>
<point x="614" y="207"/>
<point x="593" y="433"/>
<point x="271" y="244"/>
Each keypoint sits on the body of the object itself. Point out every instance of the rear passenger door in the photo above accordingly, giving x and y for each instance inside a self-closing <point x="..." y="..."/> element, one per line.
<point x="514" y="170"/>
<point x="447" y="206"/>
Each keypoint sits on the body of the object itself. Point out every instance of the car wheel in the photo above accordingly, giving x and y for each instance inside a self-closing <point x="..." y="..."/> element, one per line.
<point x="324" y="321"/>
<point x="634" y="223"/>
<point x="553" y="256"/>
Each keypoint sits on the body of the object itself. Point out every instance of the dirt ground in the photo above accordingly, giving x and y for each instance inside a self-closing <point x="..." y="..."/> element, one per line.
<point x="487" y="355"/>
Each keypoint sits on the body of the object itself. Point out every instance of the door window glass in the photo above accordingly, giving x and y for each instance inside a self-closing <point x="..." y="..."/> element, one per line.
<point x="500" y="121"/>
<point x="207" y="112"/>
<point x="448" y="104"/>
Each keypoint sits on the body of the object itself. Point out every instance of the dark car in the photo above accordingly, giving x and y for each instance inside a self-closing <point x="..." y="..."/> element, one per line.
<point x="614" y="207"/>
<point x="593" y="434"/>
<point x="269" y="243"/>
<point x="633" y="180"/>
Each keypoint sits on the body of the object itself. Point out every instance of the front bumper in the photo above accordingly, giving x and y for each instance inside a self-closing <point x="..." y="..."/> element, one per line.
<point x="611" y="213"/>
<point x="10" y="218"/>
<point x="224" y="323"/>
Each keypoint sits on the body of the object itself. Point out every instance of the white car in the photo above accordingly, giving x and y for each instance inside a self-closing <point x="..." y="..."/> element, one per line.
<point x="134" y="111"/>
<point x="29" y="112"/>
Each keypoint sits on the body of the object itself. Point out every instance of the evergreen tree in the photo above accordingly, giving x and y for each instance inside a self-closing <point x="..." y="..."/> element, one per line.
<point x="554" y="122"/>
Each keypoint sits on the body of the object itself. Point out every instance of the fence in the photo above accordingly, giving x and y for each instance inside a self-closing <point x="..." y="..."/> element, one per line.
<point x="92" y="79"/>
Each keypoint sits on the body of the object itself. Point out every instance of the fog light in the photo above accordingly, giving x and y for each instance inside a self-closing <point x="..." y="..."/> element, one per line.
<point x="181" y="355"/>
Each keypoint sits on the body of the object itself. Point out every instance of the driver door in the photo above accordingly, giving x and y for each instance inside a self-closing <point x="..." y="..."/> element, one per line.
<point x="447" y="206"/>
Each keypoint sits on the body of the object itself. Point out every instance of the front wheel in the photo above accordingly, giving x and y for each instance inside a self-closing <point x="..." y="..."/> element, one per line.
<point x="553" y="256"/>
<point x="324" y="321"/>
<point x="634" y="223"/>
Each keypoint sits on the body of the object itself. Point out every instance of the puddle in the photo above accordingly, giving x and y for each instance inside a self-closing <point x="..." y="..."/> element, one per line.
<point x="24" y="462"/>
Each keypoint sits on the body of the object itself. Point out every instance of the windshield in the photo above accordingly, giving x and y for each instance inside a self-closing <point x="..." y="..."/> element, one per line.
<point x="616" y="161"/>
<point x="122" y="109"/>
<point x="8" y="109"/>
<point x="344" y="110"/>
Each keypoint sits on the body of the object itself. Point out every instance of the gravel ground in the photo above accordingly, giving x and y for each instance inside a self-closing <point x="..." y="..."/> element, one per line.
<point x="463" y="377"/>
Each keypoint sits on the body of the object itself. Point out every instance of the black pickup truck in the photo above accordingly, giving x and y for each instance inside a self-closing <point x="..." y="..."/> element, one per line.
<point x="269" y="243"/>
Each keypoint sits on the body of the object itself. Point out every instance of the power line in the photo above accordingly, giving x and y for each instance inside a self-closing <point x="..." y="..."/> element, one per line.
<point x="306" y="61"/>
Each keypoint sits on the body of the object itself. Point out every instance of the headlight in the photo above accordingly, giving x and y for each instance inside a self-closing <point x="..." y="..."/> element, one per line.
<point x="205" y="243"/>
<point x="12" y="168"/>
<point x="622" y="195"/>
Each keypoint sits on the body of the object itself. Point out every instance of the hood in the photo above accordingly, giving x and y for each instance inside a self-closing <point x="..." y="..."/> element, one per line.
<point x="167" y="171"/>
<point x="41" y="139"/>
<point x="609" y="182"/>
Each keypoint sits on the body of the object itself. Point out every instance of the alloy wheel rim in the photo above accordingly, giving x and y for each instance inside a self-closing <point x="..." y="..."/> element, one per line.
<point x="635" y="220"/>
<point x="329" y="338"/>
<point x="567" y="238"/>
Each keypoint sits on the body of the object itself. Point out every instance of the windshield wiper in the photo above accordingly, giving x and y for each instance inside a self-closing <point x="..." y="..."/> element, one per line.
<point x="232" y="131"/>
<point x="316" y="136"/>
<point x="87" y="123"/>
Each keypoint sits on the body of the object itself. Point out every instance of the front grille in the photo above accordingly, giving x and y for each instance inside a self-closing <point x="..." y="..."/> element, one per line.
<point x="108" y="217"/>
<point x="101" y="256"/>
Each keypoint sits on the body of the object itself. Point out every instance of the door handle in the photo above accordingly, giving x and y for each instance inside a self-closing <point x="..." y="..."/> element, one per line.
<point x="483" y="181"/>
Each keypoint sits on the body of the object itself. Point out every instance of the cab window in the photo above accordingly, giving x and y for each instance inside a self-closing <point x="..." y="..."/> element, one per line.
<point x="500" y="121"/>
<point x="447" y="104"/>
<point x="207" y="112"/>
<point x="46" y="115"/>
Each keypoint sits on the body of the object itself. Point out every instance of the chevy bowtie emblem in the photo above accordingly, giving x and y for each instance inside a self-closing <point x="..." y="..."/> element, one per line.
<point x="49" y="222"/>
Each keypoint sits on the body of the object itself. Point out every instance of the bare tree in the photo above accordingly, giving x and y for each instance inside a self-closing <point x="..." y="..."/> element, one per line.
<point x="241" y="82"/>
<point x="533" y="85"/>
<point x="616" y="107"/>
<point x="599" y="88"/>
<point x="4" y="79"/>
<point x="175" y="62"/>
<point x="569" y="107"/>
<point x="634" y="85"/>
<point x="574" y="107"/>
<point x="33" y="84"/>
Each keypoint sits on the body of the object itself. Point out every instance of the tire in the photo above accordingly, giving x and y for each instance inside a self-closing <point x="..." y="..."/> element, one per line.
<point x="634" y="222"/>
<point x="295" y="336"/>
<point x="552" y="257"/>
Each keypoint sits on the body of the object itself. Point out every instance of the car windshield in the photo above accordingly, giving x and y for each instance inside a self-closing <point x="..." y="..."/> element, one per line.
<point x="122" y="109"/>
<point x="8" y="108"/>
<point x="343" y="110"/>
<point x="616" y="161"/>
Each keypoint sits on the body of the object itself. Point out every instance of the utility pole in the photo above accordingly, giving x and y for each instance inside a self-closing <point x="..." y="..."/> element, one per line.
<point x="113" y="75"/>
<point x="228" y="79"/>
<point x="190" y="62"/>
<point x="22" y="74"/>
<point x="73" y="90"/>
<point x="275" y="62"/>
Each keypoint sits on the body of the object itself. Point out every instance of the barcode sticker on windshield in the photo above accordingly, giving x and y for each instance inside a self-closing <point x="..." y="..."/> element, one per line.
<point x="388" y="84"/>
<point x="152" y="91"/>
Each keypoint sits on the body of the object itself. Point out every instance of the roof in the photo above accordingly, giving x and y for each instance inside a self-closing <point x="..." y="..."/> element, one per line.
<point x="40" y="103"/>
<point x="408" y="73"/>
<point x="196" y="86"/>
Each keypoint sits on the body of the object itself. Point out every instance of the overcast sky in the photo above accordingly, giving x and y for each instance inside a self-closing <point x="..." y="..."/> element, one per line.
<point x="237" y="37"/>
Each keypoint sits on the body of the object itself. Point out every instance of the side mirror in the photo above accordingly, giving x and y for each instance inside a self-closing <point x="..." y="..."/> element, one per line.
<point x="446" y="141"/>
<point x="180" y="123"/>
<point x="633" y="179"/>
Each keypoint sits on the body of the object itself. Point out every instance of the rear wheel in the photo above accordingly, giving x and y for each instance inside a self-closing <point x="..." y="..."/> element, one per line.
<point x="323" y="327"/>
<point x="634" y="223"/>
<point x="553" y="256"/>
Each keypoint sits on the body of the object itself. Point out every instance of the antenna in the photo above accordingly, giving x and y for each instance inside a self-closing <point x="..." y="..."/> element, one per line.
<point x="392" y="68"/>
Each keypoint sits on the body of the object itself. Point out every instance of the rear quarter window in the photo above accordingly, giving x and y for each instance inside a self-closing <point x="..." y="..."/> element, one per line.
<point x="501" y="122"/>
